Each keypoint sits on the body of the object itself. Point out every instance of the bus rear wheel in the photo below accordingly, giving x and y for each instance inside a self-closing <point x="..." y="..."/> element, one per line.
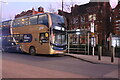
<point x="32" y="51"/>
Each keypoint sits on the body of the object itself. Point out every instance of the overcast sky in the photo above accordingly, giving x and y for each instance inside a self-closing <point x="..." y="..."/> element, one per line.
<point x="14" y="7"/>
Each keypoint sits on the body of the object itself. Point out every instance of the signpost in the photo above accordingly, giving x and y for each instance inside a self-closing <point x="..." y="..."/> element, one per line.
<point x="88" y="43"/>
<point x="93" y="38"/>
<point x="92" y="18"/>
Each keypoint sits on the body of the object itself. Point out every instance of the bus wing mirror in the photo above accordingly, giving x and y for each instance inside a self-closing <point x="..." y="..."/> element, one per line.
<point x="41" y="42"/>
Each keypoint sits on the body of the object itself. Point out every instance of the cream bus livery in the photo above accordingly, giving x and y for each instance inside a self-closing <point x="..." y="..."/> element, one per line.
<point x="43" y="33"/>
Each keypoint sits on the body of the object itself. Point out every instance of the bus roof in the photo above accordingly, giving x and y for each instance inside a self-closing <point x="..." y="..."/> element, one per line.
<point x="7" y="21"/>
<point x="29" y="16"/>
<point x="32" y="15"/>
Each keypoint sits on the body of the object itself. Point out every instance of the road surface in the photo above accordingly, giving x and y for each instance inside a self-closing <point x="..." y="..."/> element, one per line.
<point x="17" y="65"/>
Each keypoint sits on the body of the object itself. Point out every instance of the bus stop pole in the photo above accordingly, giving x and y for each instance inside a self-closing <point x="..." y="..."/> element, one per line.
<point x="93" y="51"/>
<point x="68" y="43"/>
<point x="88" y="43"/>
<point x="85" y="42"/>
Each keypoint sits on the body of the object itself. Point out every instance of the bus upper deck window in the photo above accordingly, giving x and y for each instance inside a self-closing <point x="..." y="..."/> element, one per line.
<point x="33" y="20"/>
<point x="43" y="19"/>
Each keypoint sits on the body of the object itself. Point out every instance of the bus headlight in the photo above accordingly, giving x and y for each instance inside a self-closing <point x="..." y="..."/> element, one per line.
<point x="12" y="43"/>
<point x="59" y="28"/>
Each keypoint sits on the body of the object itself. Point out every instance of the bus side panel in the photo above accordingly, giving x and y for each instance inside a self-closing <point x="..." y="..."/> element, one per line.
<point x="25" y="47"/>
<point x="35" y="31"/>
<point x="41" y="48"/>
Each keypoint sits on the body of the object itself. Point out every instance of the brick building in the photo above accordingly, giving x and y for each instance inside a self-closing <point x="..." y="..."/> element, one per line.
<point x="115" y="15"/>
<point x="115" y="23"/>
<point x="82" y="16"/>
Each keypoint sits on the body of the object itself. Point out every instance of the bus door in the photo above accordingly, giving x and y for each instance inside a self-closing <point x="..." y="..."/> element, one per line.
<point x="44" y="42"/>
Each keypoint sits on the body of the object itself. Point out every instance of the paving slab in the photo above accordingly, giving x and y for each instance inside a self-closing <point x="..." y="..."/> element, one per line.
<point x="94" y="59"/>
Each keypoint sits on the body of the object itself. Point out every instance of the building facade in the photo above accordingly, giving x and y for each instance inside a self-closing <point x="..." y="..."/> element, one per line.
<point x="115" y="15"/>
<point x="115" y="23"/>
<point x="98" y="13"/>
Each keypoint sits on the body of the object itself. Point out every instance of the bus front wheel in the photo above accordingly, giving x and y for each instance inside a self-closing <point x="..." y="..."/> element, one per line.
<point x="32" y="51"/>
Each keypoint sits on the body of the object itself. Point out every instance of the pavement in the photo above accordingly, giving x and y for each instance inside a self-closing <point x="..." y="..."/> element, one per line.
<point x="94" y="59"/>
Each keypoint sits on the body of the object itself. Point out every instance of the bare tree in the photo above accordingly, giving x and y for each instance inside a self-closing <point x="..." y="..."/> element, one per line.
<point x="67" y="6"/>
<point x="51" y="9"/>
<point x="58" y="5"/>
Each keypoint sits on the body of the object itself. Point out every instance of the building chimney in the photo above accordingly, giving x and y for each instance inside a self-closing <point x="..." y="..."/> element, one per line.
<point x="40" y="9"/>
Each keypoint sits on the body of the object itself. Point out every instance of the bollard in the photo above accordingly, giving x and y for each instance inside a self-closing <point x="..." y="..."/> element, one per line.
<point x="99" y="52"/>
<point x="112" y="53"/>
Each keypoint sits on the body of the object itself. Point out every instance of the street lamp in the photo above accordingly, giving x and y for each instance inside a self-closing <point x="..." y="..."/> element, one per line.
<point x="1" y="36"/>
<point x="1" y="2"/>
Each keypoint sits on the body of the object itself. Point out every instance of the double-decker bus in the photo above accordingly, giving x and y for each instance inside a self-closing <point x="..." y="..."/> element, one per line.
<point x="43" y="33"/>
<point x="6" y="39"/>
<point x="5" y="29"/>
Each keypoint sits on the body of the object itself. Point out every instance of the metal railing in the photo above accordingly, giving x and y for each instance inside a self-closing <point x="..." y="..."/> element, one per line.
<point x="77" y="48"/>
